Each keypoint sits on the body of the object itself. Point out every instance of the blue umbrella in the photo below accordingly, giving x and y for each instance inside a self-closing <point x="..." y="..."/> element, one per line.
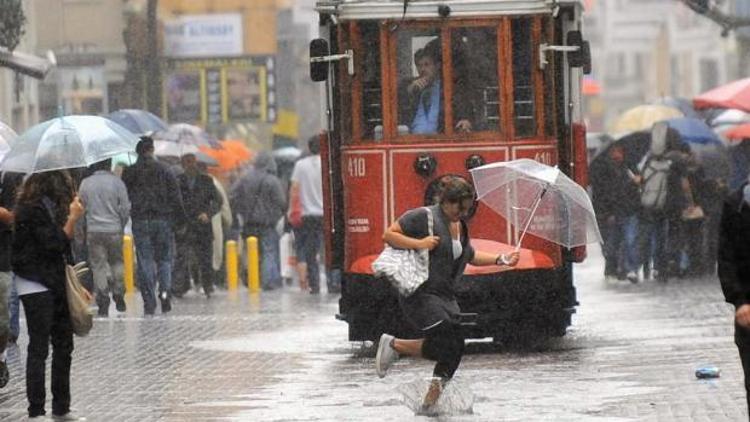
<point x="705" y="144"/>
<point x="138" y="121"/>
<point x="694" y="131"/>
<point x="68" y="142"/>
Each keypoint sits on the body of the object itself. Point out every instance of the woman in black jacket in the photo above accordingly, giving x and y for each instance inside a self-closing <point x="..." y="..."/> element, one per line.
<point x="46" y="214"/>
<point x="432" y="308"/>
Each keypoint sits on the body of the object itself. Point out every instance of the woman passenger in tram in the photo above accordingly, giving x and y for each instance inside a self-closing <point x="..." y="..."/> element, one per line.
<point x="432" y="309"/>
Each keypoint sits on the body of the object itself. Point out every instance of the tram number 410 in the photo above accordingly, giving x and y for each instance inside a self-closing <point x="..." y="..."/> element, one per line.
<point x="356" y="167"/>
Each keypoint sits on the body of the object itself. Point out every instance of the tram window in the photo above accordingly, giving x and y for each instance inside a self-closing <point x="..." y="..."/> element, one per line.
<point x="523" y="83"/>
<point x="420" y="93"/>
<point x="372" y="113"/>
<point x="475" y="89"/>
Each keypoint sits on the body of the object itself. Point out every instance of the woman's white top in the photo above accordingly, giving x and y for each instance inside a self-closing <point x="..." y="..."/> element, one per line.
<point x="457" y="249"/>
<point x="27" y="287"/>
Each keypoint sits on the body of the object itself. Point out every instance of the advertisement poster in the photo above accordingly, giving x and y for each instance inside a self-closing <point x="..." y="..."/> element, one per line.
<point x="220" y="90"/>
<point x="183" y="96"/>
<point x="245" y="93"/>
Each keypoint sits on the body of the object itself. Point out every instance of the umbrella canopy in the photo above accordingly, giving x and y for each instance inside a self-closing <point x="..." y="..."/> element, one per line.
<point x="138" y="121"/>
<point x="287" y="153"/>
<point x="705" y="145"/>
<point x="643" y="117"/>
<point x="175" y="150"/>
<point x="538" y="199"/>
<point x="739" y="132"/>
<point x="683" y="104"/>
<point x="184" y="133"/>
<point x="693" y="131"/>
<point x="68" y="142"/>
<point x="8" y="137"/>
<point x="232" y="155"/>
<point x="732" y="95"/>
<point x="635" y="146"/>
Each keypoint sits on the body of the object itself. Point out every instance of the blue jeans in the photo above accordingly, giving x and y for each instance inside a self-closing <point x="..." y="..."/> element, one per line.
<point x="270" y="259"/>
<point x="14" y="304"/>
<point x="153" y="246"/>
<point x="653" y="241"/>
<point x="630" y="249"/>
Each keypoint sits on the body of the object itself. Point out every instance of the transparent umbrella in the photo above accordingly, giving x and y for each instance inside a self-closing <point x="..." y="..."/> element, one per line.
<point x="8" y="137"/>
<point x="538" y="199"/>
<point x="68" y="142"/>
<point x="184" y="133"/>
<point x="138" y="121"/>
<point x="171" y="149"/>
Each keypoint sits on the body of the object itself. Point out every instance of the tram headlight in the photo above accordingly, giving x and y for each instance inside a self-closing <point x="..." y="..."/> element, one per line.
<point x="425" y="165"/>
<point x="474" y="161"/>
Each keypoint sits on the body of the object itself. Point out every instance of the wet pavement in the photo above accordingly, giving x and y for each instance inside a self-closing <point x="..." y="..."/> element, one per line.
<point x="631" y="354"/>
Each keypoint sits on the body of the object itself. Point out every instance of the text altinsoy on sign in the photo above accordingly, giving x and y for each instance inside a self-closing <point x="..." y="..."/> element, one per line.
<point x="214" y="35"/>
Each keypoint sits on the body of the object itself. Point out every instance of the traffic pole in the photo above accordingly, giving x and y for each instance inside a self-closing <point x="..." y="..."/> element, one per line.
<point x="127" y="259"/>
<point x="253" y="265"/>
<point x="231" y="264"/>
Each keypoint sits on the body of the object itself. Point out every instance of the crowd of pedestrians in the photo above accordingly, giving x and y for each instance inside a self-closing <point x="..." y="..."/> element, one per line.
<point x="659" y="217"/>
<point x="179" y="216"/>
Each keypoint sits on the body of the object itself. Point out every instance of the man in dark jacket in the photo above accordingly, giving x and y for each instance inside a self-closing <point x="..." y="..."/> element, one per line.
<point x="734" y="270"/>
<point x="616" y="201"/>
<point x="195" y="244"/>
<point x="258" y="198"/>
<point x="156" y="210"/>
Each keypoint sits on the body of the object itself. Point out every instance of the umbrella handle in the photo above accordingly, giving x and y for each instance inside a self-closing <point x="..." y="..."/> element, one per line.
<point x="537" y="201"/>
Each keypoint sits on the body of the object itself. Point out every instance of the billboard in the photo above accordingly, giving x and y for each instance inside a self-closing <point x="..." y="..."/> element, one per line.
<point x="213" y="35"/>
<point x="220" y="90"/>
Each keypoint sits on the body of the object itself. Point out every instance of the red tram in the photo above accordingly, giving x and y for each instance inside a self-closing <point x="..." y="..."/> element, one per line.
<point x="509" y="75"/>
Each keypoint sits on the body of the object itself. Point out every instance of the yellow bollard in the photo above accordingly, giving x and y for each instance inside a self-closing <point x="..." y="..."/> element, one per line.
<point x="127" y="259"/>
<point x="253" y="265"/>
<point x="231" y="263"/>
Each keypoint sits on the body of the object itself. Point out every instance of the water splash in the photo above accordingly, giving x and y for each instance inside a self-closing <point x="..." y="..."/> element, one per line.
<point x="456" y="398"/>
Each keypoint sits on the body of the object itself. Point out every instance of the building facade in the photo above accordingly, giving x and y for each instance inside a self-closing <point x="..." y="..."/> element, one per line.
<point x="643" y="50"/>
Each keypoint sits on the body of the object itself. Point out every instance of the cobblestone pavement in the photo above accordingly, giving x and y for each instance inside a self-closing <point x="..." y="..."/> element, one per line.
<point x="630" y="355"/>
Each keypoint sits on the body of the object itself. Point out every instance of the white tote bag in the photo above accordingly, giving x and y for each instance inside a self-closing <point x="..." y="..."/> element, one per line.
<point x="405" y="269"/>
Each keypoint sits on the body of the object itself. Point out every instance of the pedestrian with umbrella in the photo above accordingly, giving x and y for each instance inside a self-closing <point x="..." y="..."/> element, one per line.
<point x="8" y="328"/>
<point x="432" y="309"/>
<point x="45" y="216"/>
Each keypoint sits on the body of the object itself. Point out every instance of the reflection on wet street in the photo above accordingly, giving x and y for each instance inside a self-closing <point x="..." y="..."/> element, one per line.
<point x="631" y="354"/>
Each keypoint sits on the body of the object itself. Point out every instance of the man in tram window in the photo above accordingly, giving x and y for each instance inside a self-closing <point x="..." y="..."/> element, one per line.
<point x="422" y="97"/>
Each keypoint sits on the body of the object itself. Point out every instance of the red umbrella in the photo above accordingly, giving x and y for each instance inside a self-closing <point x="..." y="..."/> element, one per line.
<point x="739" y="132"/>
<point x="732" y="95"/>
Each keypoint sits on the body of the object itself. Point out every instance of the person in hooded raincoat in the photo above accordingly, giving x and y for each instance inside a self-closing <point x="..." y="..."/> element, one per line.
<point x="258" y="199"/>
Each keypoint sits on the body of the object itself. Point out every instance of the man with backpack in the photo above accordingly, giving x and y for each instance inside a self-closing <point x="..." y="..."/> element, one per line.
<point x="663" y="181"/>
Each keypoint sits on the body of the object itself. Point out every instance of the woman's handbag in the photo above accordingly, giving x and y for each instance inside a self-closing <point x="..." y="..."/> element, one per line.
<point x="405" y="269"/>
<point x="79" y="300"/>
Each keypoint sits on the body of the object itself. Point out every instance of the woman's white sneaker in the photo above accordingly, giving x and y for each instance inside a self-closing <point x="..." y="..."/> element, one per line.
<point x="386" y="355"/>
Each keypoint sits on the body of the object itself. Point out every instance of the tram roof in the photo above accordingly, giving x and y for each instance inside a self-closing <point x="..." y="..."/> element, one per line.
<point x="394" y="9"/>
